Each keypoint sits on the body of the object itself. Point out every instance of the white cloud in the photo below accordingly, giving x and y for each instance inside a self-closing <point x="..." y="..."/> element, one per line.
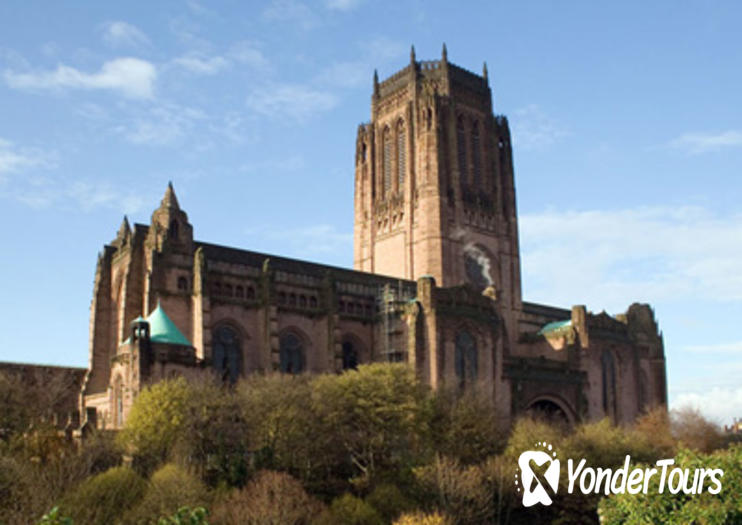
<point x="343" y="5"/>
<point x="79" y="195"/>
<point x="132" y="77"/>
<point x="533" y="129"/>
<point x="613" y="257"/>
<point x="162" y="125"/>
<point x="294" y="101"/>
<point x="718" y="404"/>
<point x="735" y="348"/>
<point x="291" y="11"/>
<point x="202" y="65"/>
<point x="14" y="159"/>
<point x="696" y="143"/>
<point x="123" y="34"/>
<point x="248" y="53"/>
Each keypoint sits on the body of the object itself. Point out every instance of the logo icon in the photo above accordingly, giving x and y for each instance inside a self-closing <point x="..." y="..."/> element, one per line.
<point x="539" y="475"/>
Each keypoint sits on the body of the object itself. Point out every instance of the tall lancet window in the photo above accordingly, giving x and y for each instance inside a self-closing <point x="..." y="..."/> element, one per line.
<point x="476" y="154"/>
<point x="461" y="147"/>
<point x="401" y="156"/>
<point x="387" y="138"/>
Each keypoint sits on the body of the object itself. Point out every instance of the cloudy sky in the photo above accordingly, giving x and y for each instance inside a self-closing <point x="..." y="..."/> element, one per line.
<point x="627" y="130"/>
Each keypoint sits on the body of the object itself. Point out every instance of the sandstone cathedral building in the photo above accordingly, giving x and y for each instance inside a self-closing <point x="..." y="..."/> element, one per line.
<point x="436" y="282"/>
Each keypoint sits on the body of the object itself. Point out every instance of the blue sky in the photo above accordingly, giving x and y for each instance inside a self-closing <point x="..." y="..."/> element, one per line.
<point x="627" y="129"/>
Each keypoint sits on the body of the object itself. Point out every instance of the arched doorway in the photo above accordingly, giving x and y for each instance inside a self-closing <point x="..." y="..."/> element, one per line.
<point x="550" y="410"/>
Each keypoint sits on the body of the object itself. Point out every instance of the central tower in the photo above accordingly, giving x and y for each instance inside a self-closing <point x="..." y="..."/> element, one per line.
<point x="434" y="190"/>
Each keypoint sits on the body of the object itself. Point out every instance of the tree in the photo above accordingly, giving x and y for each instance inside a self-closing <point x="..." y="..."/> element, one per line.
<point x="692" y="430"/>
<point x="155" y="422"/>
<point x="214" y="436"/>
<point x="271" y="498"/>
<point x="378" y="415"/>
<point x="465" y="425"/>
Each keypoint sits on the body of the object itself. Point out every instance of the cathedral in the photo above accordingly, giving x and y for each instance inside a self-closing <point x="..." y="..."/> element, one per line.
<point x="436" y="282"/>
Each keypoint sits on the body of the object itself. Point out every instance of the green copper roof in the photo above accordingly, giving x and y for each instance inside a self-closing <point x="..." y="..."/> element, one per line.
<point x="555" y="326"/>
<point x="163" y="330"/>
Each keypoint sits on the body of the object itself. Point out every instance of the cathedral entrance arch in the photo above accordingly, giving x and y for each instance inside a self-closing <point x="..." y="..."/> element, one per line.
<point x="551" y="409"/>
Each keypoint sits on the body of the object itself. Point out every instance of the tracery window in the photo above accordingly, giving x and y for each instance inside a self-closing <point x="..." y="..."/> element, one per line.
<point x="291" y="352"/>
<point x="466" y="358"/>
<point x="387" y="139"/>
<point x="227" y="353"/>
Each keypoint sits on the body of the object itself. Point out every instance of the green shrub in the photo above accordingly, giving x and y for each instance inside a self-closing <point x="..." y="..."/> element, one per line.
<point x="350" y="510"/>
<point x="104" y="498"/>
<point x="458" y="490"/>
<point x="170" y="488"/>
<point x="186" y="516"/>
<point x="528" y="431"/>
<point x="389" y="501"/>
<point x="422" y="518"/>
<point x="704" y="508"/>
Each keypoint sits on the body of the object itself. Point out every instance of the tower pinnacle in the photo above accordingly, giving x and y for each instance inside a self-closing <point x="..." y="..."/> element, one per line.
<point x="170" y="200"/>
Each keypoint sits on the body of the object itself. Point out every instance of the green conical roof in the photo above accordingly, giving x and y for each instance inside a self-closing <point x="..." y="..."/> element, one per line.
<point x="163" y="330"/>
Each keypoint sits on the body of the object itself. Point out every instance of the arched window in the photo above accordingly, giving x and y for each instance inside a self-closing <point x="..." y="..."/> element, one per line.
<point x="228" y="290"/>
<point x="608" y="367"/>
<point x="401" y="155"/>
<point x="250" y="292"/>
<point x="387" y="139"/>
<point x="465" y="359"/>
<point x="428" y="118"/>
<point x="182" y="284"/>
<point x="313" y="302"/>
<point x="239" y="292"/>
<point x="363" y="152"/>
<point x="476" y="154"/>
<point x="302" y="301"/>
<point x="350" y="356"/>
<point x="227" y="354"/>
<point x="291" y="354"/>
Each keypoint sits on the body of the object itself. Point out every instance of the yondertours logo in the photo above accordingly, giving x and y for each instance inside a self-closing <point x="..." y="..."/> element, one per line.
<point x="537" y="477"/>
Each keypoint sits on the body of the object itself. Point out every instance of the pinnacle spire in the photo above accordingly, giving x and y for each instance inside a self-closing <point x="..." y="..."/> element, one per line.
<point x="376" y="82"/>
<point x="124" y="229"/>
<point x="170" y="200"/>
<point x="412" y="54"/>
<point x="484" y="71"/>
<point x="444" y="53"/>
